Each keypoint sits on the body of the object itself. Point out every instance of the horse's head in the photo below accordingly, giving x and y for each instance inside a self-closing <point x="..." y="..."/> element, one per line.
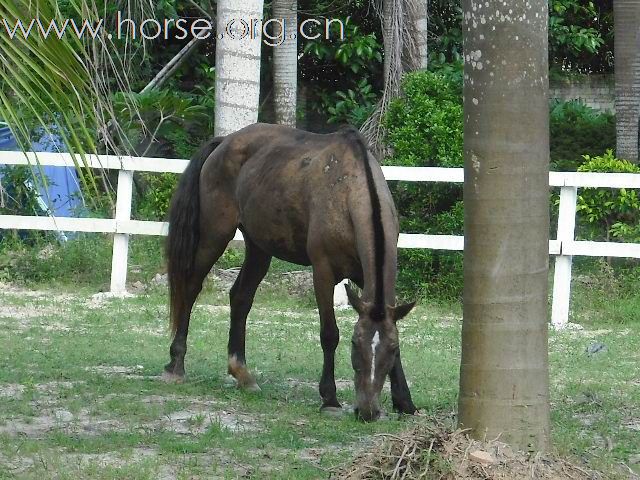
<point x="374" y="349"/>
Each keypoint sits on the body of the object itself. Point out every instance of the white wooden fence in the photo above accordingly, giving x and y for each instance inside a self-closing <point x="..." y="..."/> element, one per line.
<point x="564" y="247"/>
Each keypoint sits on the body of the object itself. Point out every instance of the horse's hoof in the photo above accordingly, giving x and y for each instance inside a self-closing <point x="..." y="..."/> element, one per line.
<point x="170" y="377"/>
<point x="250" y="388"/>
<point x="406" y="409"/>
<point x="335" y="412"/>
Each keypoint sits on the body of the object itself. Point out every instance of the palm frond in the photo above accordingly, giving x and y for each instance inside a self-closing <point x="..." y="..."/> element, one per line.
<point x="63" y="82"/>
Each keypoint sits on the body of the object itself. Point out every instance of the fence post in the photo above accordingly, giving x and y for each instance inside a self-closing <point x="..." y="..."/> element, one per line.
<point x="340" y="299"/>
<point x="562" y="273"/>
<point x="120" y="254"/>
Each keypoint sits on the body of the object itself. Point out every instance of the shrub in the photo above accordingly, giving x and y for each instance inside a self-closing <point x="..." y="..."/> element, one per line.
<point x="424" y="128"/>
<point x="577" y="129"/>
<point x="179" y="124"/>
<point x="344" y="73"/>
<point x="18" y="192"/>
<point x="352" y="107"/>
<point x="155" y="191"/>
<point x="604" y="212"/>
<point x="19" y="196"/>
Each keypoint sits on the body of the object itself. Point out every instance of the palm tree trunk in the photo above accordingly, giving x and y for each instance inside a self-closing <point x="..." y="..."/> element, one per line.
<point x="422" y="31"/>
<point x="627" y="72"/>
<point x="504" y="379"/>
<point x="238" y="55"/>
<point x="285" y="62"/>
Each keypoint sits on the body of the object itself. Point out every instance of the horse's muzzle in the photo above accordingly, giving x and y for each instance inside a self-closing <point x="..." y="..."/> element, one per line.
<point x="367" y="414"/>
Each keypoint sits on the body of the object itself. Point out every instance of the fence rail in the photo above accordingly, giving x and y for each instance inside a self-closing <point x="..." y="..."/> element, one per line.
<point x="564" y="247"/>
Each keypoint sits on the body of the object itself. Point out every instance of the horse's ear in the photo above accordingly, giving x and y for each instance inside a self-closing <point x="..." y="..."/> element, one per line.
<point x="401" y="311"/>
<point x="354" y="300"/>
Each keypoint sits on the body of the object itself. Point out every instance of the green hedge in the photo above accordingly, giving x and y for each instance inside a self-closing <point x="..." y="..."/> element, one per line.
<point x="424" y="128"/>
<point x="576" y="129"/>
<point x="609" y="214"/>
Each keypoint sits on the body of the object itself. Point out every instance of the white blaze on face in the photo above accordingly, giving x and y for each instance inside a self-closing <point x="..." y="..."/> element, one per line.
<point x="374" y="346"/>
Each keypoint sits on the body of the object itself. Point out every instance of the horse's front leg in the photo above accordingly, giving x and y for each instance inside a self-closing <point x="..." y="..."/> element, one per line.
<point x="323" y="284"/>
<point x="400" y="394"/>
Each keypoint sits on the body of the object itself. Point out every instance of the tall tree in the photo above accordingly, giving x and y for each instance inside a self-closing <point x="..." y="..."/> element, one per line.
<point x="627" y="72"/>
<point x="285" y="61"/>
<point x="238" y="54"/>
<point x="504" y="384"/>
<point x="421" y="21"/>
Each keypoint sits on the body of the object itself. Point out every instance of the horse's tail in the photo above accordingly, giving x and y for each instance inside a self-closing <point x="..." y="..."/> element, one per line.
<point x="184" y="228"/>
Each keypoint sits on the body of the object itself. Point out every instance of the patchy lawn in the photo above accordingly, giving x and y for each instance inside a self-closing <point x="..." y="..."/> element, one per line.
<point x="80" y="394"/>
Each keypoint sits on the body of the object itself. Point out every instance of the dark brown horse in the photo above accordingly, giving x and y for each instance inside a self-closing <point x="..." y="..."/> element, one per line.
<point x="310" y="199"/>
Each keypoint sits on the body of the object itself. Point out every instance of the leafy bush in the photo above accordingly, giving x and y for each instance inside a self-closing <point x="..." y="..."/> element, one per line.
<point x="424" y="128"/>
<point x="168" y="124"/>
<point x="577" y="129"/>
<point x="352" y="107"/>
<point x="151" y="120"/>
<point x="605" y="212"/>
<point x="18" y="195"/>
<point x="356" y="52"/>
<point x="158" y="189"/>
<point x="347" y="73"/>
<point x="580" y="36"/>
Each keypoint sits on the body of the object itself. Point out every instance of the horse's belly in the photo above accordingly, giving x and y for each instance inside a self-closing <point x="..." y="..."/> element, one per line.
<point x="279" y="233"/>
<point x="280" y="248"/>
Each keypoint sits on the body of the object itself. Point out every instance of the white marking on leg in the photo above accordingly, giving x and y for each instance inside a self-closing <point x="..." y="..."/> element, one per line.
<point x="233" y="361"/>
<point x="374" y="346"/>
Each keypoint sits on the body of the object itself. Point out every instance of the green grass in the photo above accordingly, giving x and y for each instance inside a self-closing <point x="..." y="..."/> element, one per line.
<point x="91" y="405"/>
<point x="86" y="260"/>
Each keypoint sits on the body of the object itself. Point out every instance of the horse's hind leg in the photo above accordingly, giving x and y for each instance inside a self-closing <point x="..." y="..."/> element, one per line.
<point x="210" y="248"/>
<point x="254" y="268"/>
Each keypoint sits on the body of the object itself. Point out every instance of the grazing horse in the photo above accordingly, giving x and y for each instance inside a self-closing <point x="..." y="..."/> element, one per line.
<point x="310" y="199"/>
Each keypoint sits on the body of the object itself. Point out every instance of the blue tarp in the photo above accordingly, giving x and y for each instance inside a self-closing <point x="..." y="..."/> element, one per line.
<point x="63" y="195"/>
<point x="7" y="142"/>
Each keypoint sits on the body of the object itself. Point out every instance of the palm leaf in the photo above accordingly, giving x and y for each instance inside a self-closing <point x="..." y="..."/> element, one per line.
<point x="65" y="82"/>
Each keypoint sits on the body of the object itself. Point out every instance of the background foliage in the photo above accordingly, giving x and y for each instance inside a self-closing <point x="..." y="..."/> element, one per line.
<point x="577" y="130"/>
<point x="340" y="83"/>
<point x="424" y="128"/>
<point x="609" y="214"/>
<point x="580" y="35"/>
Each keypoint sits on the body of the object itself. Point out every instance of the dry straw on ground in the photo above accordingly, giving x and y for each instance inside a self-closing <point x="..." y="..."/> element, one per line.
<point x="431" y="451"/>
